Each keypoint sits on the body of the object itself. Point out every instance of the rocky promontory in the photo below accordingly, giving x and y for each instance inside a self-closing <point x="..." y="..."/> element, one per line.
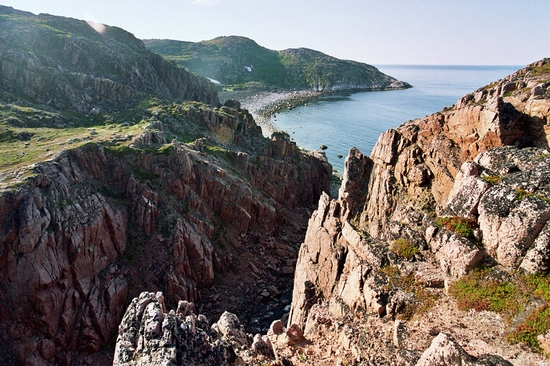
<point x="239" y="63"/>
<point x="446" y="209"/>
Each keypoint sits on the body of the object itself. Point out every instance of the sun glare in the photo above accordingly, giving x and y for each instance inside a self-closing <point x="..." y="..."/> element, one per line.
<point x="98" y="27"/>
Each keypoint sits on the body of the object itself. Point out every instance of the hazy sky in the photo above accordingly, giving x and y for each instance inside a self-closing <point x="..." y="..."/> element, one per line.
<point x="490" y="32"/>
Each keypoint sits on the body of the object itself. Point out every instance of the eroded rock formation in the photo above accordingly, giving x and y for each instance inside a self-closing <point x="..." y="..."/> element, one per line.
<point x="97" y="224"/>
<point x="378" y="251"/>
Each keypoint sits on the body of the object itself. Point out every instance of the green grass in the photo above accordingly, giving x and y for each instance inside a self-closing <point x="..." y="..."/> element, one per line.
<point x="540" y="70"/>
<point x="523" y="194"/>
<point x="508" y="297"/>
<point x="404" y="248"/>
<point x="220" y="153"/>
<point x="492" y="179"/>
<point x="46" y="141"/>
<point x="460" y="225"/>
<point x="476" y="292"/>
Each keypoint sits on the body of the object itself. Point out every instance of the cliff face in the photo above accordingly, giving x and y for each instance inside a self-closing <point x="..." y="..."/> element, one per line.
<point x="66" y="64"/>
<point x="416" y="163"/>
<point x="384" y="249"/>
<point x="98" y="224"/>
<point x="154" y="193"/>
<point x="238" y="60"/>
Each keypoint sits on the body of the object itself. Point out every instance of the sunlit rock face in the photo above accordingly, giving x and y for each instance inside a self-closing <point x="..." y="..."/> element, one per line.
<point x="484" y="161"/>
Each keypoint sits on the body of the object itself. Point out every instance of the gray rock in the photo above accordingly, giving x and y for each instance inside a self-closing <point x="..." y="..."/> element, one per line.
<point x="445" y="351"/>
<point x="230" y="327"/>
<point x="150" y="336"/>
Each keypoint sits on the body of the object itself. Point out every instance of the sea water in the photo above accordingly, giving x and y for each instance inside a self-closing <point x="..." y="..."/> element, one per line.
<point x="341" y="121"/>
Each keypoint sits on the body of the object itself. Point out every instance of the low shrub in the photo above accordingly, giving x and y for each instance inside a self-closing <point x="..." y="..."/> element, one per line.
<point x="403" y="248"/>
<point x="460" y="225"/>
<point x="480" y="290"/>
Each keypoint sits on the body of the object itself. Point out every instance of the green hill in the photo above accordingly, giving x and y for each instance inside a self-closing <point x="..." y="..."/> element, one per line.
<point x="239" y="61"/>
<point x="65" y="64"/>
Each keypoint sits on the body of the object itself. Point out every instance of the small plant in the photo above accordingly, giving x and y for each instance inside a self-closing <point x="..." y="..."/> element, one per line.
<point x="403" y="248"/>
<point x="460" y="225"/>
<point x="476" y="292"/>
<point x="508" y="297"/>
<point x="536" y="323"/>
<point x="522" y="194"/>
<point x="492" y="179"/>
<point x="423" y="299"/>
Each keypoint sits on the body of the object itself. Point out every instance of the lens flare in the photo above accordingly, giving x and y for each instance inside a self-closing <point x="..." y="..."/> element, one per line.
<point x="98" y="27"/>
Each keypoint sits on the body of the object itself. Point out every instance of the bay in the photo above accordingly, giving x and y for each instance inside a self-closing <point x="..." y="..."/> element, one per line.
<point x="344" y="120"/>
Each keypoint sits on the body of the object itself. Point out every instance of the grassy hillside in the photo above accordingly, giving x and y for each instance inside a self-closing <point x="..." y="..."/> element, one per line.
<point x="240" y="63"/>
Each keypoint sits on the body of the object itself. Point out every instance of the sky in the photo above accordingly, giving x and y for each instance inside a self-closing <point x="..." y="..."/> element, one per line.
<point x="428" y="32"/>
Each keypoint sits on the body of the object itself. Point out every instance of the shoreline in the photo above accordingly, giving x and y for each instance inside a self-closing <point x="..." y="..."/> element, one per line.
<point x="264" y="104"/>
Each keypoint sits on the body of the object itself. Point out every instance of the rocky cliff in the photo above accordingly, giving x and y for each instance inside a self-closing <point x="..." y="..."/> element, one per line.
<point x="116" y="180"/>
<point x="440" y="196"/>
<point x="67" y="64"/>
<point x="102" y="222"/>
<point x="239" y="62"/>
<point x="435" y="252"/>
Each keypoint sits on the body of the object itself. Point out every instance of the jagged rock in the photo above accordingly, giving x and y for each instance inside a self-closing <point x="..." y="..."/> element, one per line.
<point x="467" y="191"/>
<point x="445" y="351"/>
<point x="230" y="327"/>
<point x="513" y="213"/>
<point x="537" y="258"/>
<point x="262" y="346"/>
<point x="456" y="254"/>
<point x="510" y="225"/>
<point x="148" y="335"/>
<point x="416" y="172"/>
<point x="75" y="234"/>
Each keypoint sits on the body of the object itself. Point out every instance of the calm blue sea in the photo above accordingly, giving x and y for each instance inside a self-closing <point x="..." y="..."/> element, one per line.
<point x="344" y="120"/>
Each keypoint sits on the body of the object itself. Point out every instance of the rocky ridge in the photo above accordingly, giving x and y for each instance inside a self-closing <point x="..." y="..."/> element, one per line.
<point x="239" y="62"/>
<point x="78" y="237"/>
<point x="68" y="65"/>
<point x="472" y="161"/>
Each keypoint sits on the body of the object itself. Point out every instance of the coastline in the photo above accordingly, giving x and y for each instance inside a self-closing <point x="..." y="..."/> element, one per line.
<point x="263" y="105"/>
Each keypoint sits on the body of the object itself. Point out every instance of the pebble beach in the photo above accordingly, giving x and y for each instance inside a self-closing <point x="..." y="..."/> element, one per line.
<point x="263" y="105"/>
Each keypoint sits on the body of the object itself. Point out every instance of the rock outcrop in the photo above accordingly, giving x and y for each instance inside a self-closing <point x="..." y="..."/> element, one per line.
<point x="102" y="222"/>
<point x="149" y="335"/>
<point x="445" y="351"/>
<point x="416" y="163"/>
<point x="385" y="247"/>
